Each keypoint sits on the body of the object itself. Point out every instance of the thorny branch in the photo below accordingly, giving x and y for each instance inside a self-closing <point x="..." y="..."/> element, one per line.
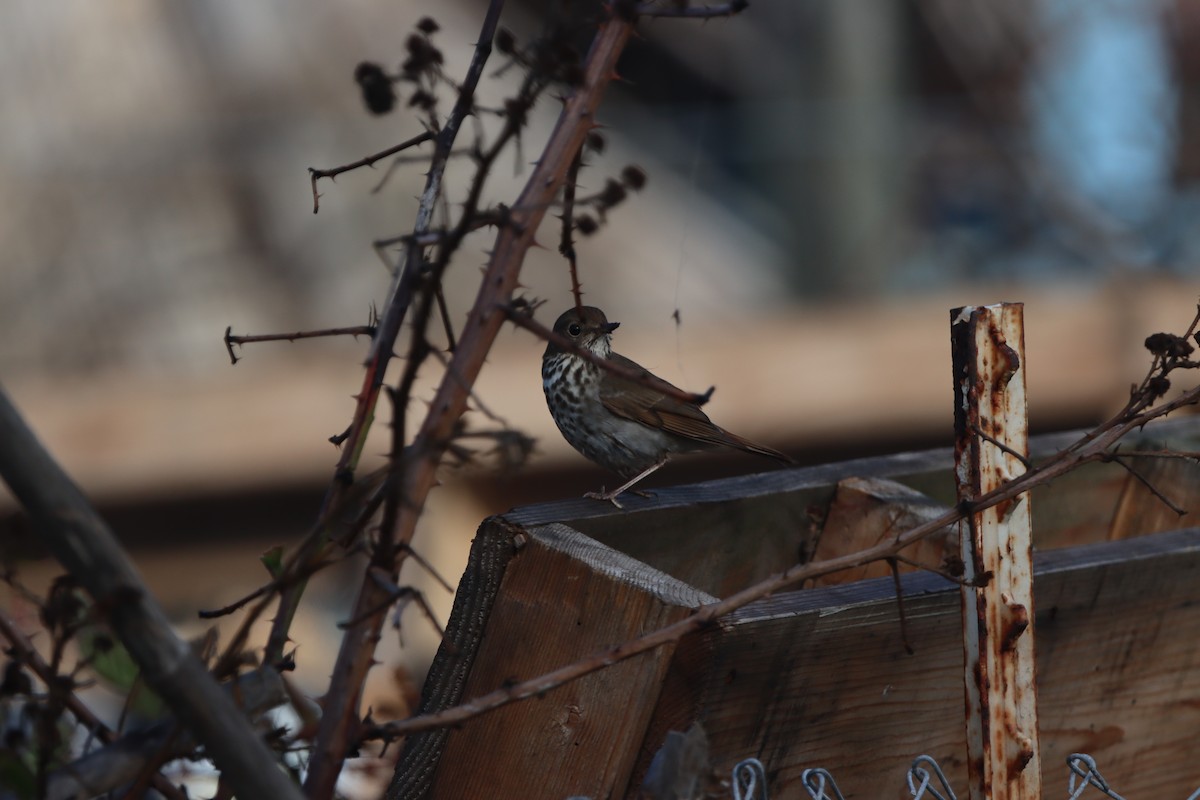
<point x="566" y="245"/>
<point x="369" y="161"/>
<point x="400" y="294"/>
<point x="415" y="476"/>
<point x="232" y="341"/>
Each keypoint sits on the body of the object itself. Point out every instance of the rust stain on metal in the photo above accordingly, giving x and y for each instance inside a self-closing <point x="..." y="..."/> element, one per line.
<point x="1010" y="357"/>
<point x="980" y="677"/>
<point x="1021" y="760"/>
<point x="1003" y="508"/>
<point x="1012" y="363"/>
<point x="1017" y="624"/>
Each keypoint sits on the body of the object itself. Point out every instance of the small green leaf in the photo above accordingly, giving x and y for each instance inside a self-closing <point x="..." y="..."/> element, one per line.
<point x="109" y="659"/>
<point x="273" y="561"/>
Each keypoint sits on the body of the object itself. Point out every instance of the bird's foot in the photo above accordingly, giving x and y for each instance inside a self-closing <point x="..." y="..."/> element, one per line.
<point x="603" y="495"/>
<point x="612" y="496"/>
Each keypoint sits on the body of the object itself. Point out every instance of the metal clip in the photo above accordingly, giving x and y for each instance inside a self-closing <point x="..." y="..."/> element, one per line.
<point x="1083" y="768"/>
<point x="815" y="781"/>
<point x="920" y="778"/>
<point x="748" y="775"/>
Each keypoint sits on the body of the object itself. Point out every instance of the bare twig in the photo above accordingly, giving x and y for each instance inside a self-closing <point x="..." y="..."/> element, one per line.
<point x="895" y="570"/>
<point x="1025" y="462"/>
<point x="428" y="567"/>
<point x="288" y="578"/>
<point x="1187" y="455"/>
<point x="566" y="245"/>
<point x="369" y="161"/>
<point x="959" y="579"/>
<point x="398" y="160"/>
<point x="231" y="340"/>
<point x="1154" y="490"/>
<point x="395" y="594"/>
<point x="473" y="220"/>
<point x="444" y="313"/>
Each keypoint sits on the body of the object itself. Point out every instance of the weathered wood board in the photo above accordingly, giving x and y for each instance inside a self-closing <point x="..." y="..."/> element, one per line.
<point x="818" y="677"/>
<point x="821" y="678"/>
<point x="563" y="596"/>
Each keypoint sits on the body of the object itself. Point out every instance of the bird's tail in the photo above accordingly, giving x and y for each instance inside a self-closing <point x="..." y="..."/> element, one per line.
<point x="745" y="445"/>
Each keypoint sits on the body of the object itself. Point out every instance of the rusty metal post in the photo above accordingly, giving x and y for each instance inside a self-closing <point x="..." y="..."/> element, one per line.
<point x="991" y="437"/>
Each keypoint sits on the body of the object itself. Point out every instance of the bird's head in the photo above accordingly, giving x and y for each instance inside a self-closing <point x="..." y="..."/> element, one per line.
<point x="586" y="327"/>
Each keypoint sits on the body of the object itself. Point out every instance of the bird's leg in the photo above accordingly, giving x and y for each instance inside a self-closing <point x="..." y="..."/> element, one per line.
<point x="612" y="496"/>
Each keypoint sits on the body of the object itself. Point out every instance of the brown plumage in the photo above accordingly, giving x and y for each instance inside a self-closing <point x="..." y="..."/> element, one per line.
<point x="630" y="427"/>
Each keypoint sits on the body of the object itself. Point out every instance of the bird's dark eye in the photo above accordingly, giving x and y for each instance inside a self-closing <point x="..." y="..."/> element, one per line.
<point x="574" y="329"/>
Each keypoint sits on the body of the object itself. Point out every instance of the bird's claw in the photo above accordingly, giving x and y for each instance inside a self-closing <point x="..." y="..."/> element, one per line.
<point x="612" y="496"/>
<point x="603" y="495"/>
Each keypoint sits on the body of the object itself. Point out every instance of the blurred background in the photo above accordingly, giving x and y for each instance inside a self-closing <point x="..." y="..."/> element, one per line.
<point x="826" y="179"/>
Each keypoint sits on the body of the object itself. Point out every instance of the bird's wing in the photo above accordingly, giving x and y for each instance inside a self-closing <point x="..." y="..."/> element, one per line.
<point x="649" y="402"/>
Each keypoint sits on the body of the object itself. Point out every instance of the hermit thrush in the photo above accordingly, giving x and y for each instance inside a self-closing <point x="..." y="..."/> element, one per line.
<point x="628" y="426"/>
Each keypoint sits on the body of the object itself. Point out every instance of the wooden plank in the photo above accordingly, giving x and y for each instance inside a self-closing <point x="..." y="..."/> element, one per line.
<point x="820" y="677"/>
<point x="722" y="535"/>
<point x="1117" y="663"/>
<point x="493" y="548"/>
<point x="866" y="512"/>
<point x="563" y="596"/>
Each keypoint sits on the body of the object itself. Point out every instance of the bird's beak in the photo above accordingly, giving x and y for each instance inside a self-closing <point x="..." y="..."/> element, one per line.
<point x="609" y="327"/>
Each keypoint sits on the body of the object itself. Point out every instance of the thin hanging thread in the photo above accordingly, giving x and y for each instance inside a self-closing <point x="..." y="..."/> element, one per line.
<point x="686" y="227"/>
